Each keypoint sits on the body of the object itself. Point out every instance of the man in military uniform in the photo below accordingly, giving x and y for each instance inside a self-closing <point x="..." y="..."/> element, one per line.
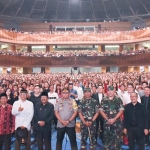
<point x="66" y="110"/>
<point x="111" y="109"/>
<point x="88" y="110"/>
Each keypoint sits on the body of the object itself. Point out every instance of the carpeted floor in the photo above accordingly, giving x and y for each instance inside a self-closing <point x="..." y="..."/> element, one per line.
<point x="66" y="143"/>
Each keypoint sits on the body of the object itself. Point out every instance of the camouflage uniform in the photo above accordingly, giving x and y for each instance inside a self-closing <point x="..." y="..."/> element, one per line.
<point x="112" y="133"/>
<point x="88" y="108"/>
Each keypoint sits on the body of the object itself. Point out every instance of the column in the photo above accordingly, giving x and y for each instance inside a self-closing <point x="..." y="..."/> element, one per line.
<point x="107" y="69"/>
<point x="137" y="69"/>
<point x="136" y="47"/>
<point x="103" y="69"/>
<point x="42" y="69"/>
<point x="13" y="47"/>
<point x="29" y="48"/>
<point x="120" y="48"/>
<point x="27" y="70"/>
<point x="146" y="68"/>
<point x="123" y="69"/>
<point x="99" y="48"/>
<point x="131" y="69"/>
<point x="47" y="48"/>
<point x="103" y="48"/>
<point x="47" y="70"/>
<point x="51" y="48"/>
<point x="4" y="70"/>
<point x="13" y="70"/>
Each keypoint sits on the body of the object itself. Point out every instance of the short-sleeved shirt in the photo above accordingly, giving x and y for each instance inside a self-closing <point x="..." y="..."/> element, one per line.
<point x="88" y="108"/>
<point x="66" y="109"/>
<point x="111" y="107"/>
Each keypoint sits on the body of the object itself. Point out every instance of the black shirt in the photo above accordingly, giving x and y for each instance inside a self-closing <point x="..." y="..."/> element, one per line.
<point x="35" y="99"/>
<point x="135" y="116"/>
<point x="43" y="113"/>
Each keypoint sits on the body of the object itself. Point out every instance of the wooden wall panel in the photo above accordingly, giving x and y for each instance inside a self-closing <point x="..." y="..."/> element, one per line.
<point x="23" y="61"/>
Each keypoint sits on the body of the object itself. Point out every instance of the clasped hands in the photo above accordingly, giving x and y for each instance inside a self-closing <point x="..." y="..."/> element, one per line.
<point x="41" y="123"/>
<point x="65" y="123"/>
<point x="111" y="121"/>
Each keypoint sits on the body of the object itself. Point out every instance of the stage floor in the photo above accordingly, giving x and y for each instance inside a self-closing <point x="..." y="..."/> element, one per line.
<point x="66" y="143"/>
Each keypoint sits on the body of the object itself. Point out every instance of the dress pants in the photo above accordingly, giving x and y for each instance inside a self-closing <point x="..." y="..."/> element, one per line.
<point x="6" y="140"/>
<point x="27" y="146"/>
<point x="44" y="139"/>
<point x="134" y="133"/>
<point x="100" y="126"/>
<point x="71" y="134"/>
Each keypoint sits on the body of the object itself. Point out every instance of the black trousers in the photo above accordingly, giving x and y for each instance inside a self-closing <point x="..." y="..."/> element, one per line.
<point x="134" y="133"/>
<point x="44" y="139"/>
<point x="100" y="127"/>
<point x="5" y="140"/>
<point x="71" y="134"/>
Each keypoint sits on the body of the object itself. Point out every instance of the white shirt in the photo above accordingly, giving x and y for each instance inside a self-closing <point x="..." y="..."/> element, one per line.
<point x="79" y="91"/>
<point x="100" y="96"/>
<point x="127" y="99"/>
<point x="23" y="118"/>
<point x="52" y="97"/>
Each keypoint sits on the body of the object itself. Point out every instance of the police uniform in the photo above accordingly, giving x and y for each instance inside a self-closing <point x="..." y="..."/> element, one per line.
<point x="88" y="108"/>
<point x="66" y="108"/>
<point x="112" y="132"/>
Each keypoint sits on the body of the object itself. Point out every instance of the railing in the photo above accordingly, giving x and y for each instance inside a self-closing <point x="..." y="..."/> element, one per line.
<point x="24" y="61"/>
<point x="98" y="38"/>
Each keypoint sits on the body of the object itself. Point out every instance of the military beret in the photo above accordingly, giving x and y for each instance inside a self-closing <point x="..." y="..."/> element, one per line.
<point x="44" y="94"/>
<point x="87" y="90"/>
<point x="110" y="88"/>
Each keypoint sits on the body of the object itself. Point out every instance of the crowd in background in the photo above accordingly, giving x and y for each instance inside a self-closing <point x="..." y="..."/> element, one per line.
<point x="55" y="86"/>
<point x="12" y="83"/>
<point x="78" y="31"/>
<point x="74" y="53"/>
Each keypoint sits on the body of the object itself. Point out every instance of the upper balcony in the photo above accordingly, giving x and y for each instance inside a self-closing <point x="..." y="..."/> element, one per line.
<point x="111" y="37"/>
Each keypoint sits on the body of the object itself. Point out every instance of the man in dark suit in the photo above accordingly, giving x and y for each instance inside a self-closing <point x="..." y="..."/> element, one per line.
<point x="135" y="122"/>
<point x="99" y="121"/>
<point x="145" y="100"/>
<point x="43" y="115"/>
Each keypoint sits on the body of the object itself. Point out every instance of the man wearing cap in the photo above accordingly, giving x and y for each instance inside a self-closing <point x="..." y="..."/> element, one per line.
<point x="88" y="110"/>
<point x="66" y="111"/>
<point x="111" y="109"/>
<point x="43" y="115"/>
<point x="7" y="122"/>
<point x="23" y="111"/>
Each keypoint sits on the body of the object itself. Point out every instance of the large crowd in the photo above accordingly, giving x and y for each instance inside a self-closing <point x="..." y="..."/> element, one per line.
<point x="78" y="31"/>
<point x="103" y="102"/>
<point x="74" y="53"/>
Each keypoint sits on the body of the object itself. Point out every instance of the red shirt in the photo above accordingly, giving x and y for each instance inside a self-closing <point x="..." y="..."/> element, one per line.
<point x="7" y="120"/>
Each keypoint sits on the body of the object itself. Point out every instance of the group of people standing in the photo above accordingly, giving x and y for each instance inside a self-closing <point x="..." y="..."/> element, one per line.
<point x="105" y="115"/>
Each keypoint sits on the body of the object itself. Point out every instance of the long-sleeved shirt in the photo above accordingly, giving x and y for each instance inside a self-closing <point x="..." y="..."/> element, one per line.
<point x="79" y="91"/>
<point x="135" y="116"/>
<point x="7" y="120"/>
<point x="23" y="118"/>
